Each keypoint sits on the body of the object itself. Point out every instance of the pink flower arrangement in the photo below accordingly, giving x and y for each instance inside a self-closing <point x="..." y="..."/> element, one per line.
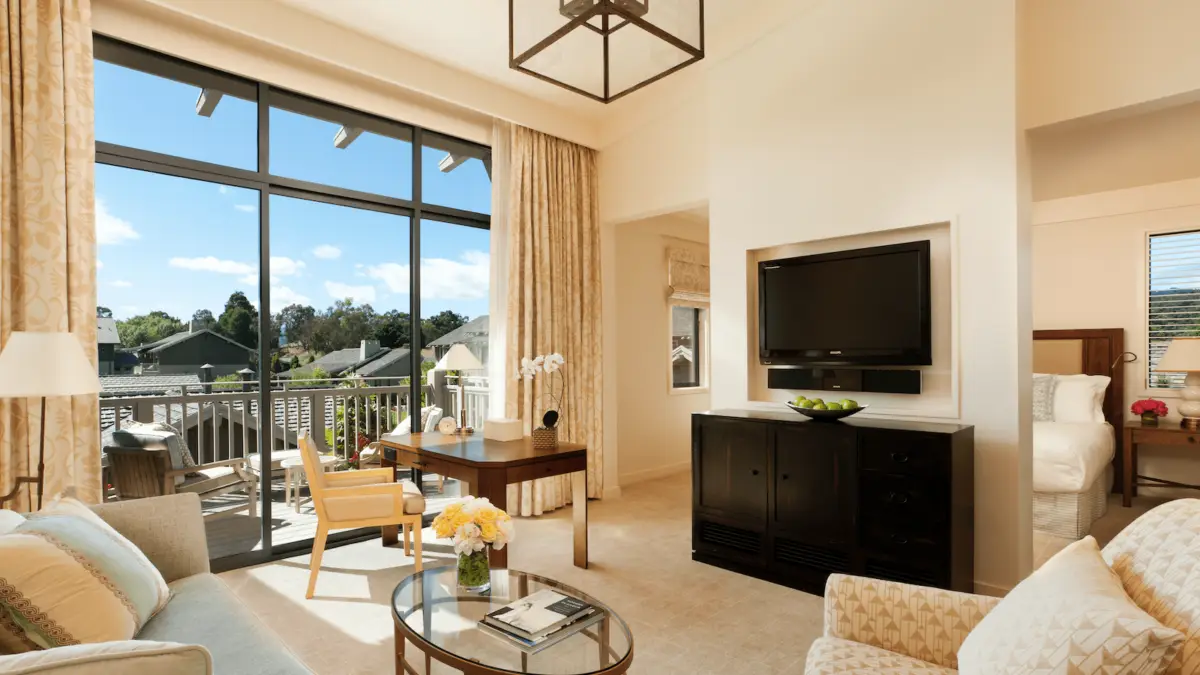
<point x="1150" y="406"/>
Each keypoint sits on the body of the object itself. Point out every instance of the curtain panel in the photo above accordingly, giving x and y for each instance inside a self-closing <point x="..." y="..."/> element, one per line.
<point x="554" y="297"/>
<point x="47" y="229"/>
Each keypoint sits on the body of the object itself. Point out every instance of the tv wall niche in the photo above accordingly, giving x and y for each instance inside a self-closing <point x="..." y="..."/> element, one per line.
<point x="939" y="397"/>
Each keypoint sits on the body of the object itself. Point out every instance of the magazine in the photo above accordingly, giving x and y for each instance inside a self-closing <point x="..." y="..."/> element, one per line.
<point x="546" y="641"/>
<point x="538" y="615"/>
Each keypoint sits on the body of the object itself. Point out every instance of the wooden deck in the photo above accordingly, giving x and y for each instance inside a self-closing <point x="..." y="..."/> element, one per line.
<point x="239" y="533"/>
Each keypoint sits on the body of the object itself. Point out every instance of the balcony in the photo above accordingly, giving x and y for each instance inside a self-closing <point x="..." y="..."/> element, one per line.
<point x="221" y="421"/>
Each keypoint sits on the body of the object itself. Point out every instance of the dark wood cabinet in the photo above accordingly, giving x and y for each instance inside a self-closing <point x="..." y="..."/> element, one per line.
<point x="792" y="501"/>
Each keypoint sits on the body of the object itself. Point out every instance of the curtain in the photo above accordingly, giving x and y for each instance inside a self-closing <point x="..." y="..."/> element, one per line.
<point x="554" y="300"/>
<point x="47" y="229"/>
<point x="498" y="288"/>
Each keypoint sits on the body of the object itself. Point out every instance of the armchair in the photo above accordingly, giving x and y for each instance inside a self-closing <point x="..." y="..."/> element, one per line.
<point x="140" y="473"/>
<point x="363" y="498"/>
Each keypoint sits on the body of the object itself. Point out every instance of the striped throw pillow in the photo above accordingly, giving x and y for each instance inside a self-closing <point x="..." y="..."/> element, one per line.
<point x="67" y="577"/>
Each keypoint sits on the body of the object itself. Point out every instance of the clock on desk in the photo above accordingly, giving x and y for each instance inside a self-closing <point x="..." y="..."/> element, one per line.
<point x="447" y="425"/>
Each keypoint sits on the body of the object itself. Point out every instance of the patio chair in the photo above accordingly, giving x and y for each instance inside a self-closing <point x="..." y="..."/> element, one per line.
<point x="363" y="498"/>
<point x="138" y="473"/>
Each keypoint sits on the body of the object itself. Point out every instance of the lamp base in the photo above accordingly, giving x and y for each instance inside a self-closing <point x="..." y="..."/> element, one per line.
<point x="1190" y="423"/>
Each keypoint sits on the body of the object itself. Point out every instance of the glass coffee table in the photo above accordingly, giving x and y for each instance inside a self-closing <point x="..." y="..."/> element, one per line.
<point x="442" y="623"/>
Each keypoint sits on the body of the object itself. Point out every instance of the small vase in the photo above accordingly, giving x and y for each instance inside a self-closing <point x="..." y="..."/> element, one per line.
<point x="474" y="575"/>
<point x="1149" y="420"/>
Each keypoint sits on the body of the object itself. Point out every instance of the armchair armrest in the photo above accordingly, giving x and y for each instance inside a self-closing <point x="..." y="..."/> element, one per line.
<point x="129" y="657"/>
<point x="359" y="477"/>
<point x="235" y="463"/>
<point x="929" y="624"/>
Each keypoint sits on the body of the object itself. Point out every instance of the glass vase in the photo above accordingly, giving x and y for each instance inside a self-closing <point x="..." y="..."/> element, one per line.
<point x="1149" y="419"/>
<point x="474" y="575"/>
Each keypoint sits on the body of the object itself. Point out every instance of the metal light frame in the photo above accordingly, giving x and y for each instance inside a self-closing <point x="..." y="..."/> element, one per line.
<point x="605" y="9"/>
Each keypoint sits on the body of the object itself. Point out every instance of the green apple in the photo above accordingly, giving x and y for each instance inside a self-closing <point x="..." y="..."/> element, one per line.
<point x="799" y="400"/>
<point x="817" y="400"/>
<point x="819" y="406"/>
<point x="833" y="405"/>
<point x="849" y="404"/>
<point x="805" y="404"/>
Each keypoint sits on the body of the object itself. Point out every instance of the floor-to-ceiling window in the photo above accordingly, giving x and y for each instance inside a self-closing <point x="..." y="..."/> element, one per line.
<point x="264" y="258"/>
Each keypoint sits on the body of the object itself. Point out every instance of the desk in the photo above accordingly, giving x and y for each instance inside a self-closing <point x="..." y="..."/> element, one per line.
<point x="1137" y="433"/>
<point x="490" y="466"/>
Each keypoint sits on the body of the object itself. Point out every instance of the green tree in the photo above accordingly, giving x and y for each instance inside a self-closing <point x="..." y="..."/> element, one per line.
<point x="204" y="317"/>
<point x="239" y="321"/>
<point x="147" y="328"/>
<point x="392" y="329"/>
<point x="103" y="312"/>
<point x="297" y="320"/>
<point x="439" y="324"/>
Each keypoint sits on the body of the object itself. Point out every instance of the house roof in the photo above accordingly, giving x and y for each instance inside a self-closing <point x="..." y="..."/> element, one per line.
<point x="106" y="331"/>
<point x="130" y="385"/>
<point x="344" y="361"/>
<point x="183" y="336"/>
<point x="473" y="329"/>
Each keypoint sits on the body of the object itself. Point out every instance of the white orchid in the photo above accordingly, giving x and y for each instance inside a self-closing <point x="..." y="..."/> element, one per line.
<point x="553" y="362"/>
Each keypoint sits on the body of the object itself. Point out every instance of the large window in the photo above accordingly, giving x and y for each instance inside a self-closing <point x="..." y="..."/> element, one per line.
<point x="1173" y="299"/>
<point x="271" y="264"/>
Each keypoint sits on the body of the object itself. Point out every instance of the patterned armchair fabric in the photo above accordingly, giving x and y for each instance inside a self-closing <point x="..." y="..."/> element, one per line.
<point x="928" y="624"/>
<point x="1158" y="560"/>
<point x="835" y="656"/>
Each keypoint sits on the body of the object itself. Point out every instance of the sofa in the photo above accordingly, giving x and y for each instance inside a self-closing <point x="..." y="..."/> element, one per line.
<point x="889" y="628"/>
<point x="204" y="629"/>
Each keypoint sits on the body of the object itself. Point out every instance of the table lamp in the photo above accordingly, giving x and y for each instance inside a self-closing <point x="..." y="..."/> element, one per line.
<point x="460" y="358"/>
<point x="37" y="365"/>
<point x="1183" y="355"/>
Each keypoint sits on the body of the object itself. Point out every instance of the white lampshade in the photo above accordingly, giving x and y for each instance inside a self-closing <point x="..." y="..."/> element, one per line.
<point x="459" y="358"/>
<point x="45" y="364"/>
<point x="1183" y="355"/>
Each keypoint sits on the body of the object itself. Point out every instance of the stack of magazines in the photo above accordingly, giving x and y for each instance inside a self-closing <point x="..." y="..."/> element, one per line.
<point x="537" y="621"/>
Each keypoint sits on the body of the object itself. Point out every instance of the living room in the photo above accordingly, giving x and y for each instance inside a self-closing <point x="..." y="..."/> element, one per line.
<point x="599" y="261"/>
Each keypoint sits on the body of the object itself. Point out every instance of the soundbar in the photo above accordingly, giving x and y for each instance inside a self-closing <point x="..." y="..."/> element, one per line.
<point x="872" y="381"/>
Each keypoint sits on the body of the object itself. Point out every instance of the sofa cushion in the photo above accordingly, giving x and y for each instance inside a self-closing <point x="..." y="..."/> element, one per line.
<point x="1070" y="617"/>
<point x="67" y="577"/>
<point x="127" y="657"/>
<point x="204" y="611"/>
<point x="830" y="655"/>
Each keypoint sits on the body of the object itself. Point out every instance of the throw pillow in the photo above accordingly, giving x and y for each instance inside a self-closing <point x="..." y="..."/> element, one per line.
<point x="189" y="462"/>
<point x="67" y="577"/>
<point x="1080" y="398"/>
<point x="1072" y="617"/>
<point x="1043" y="397"/>
<point x="147" y="438"/>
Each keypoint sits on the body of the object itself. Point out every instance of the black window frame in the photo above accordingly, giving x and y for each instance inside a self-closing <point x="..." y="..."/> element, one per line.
<point x="263" y="94"/>
<point x="698" y="323"/>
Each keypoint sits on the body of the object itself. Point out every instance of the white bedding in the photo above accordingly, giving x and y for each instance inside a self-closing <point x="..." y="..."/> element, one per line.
<point x="1069" y="456"/>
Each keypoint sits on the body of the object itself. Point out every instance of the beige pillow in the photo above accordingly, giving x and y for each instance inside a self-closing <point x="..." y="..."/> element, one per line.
<point x="1072" y="617"/>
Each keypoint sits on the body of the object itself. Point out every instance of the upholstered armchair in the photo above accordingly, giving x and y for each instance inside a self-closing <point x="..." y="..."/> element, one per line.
<point x="874" y="626"/>
<point x="363" y="498"/>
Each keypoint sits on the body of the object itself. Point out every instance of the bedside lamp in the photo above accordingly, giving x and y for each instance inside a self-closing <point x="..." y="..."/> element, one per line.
<point x="460" y="358"/>
<point x="37" y="365"/>
<point x="1183" y="355"/>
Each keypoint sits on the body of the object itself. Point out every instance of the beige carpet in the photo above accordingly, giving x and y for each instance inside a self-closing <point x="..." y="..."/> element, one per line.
<point x="686" y="617"/>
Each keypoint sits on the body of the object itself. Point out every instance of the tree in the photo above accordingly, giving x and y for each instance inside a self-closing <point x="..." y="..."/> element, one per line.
<point x="204" y="317"/>
<point x="297" y="320"/>
<point x="392" y="329"/>
<point x="103" y="312"/>
<point x="439" y="324"/>
<point x="147" y="328"/>
<point x="239" y="321"/>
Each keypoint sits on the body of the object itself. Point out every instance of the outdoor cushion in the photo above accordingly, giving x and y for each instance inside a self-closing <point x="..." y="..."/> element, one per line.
<point x="208" y="480"/>
<point x="149" y="438"/>
<point x="277" y="456"/>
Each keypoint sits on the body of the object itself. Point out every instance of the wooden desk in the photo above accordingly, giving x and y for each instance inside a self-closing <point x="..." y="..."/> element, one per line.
<point x="1166" y="434"/>
<point x="488" y="467"/>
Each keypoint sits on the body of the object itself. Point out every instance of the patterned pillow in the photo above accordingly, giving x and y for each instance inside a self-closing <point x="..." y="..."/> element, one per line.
<point x="149" y="438"/>
<point x="1072" y="617"/>
<point x="188" y="461"/>
<point x="67" y="577"/>
<point x="1043" y="397"/>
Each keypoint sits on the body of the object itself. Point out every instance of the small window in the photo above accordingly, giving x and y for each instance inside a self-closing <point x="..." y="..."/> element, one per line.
<point x="687" y="348"/>
<point x="1173" y="299"/>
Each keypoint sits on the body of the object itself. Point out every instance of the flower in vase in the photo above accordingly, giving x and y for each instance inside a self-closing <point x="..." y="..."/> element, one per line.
<point x="1149" y="405"/>
<point x="553" y="362"/>
<point x="473" y="523"/>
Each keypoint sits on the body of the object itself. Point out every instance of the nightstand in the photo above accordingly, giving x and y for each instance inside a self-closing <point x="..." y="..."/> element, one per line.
<point x="1169" y="433"/>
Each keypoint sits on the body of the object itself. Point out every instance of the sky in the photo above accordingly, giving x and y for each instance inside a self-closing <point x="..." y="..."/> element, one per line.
<point x="180" y="245"/>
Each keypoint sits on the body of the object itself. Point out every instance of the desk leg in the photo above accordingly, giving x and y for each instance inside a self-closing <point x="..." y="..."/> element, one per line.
<point x="1128" y="469"/>
<point x="579" y="507"/>
<point x="493" y="487"/>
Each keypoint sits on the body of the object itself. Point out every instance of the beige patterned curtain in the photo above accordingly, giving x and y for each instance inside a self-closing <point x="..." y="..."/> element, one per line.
<point x="554" y="299"/>
<point x="47" y="228"/>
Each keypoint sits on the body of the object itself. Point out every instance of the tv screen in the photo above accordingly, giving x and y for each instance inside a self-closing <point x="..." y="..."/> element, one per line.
<point x="863" y="307"/>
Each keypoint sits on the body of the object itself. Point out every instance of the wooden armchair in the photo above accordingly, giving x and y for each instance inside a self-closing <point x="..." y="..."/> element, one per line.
<point x="363" y="498"/>
<point x="138" y="473"/>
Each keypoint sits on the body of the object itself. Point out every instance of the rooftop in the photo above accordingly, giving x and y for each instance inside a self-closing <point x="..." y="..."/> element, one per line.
<point x="473" y="329"/>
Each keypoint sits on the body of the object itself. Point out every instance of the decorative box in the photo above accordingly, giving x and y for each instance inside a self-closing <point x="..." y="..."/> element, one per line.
<point x="498" y="429"/>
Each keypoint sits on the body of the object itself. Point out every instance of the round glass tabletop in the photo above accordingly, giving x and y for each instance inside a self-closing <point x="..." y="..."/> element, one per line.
<point x="444" y="622"/>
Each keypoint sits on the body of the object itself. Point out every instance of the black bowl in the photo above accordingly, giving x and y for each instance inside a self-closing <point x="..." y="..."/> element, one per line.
<point x="826" y="415"/>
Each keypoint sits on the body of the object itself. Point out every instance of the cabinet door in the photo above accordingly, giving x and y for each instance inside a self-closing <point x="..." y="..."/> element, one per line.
<point x="730" y="464"/>
<point x="814" y="483"/>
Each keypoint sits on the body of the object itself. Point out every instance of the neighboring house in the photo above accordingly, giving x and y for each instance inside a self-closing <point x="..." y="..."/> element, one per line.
<point x="366" y="360"/>
<point x="474" y="334"/>
<point x="107" y="341"/>
<point x="187" y="351"/>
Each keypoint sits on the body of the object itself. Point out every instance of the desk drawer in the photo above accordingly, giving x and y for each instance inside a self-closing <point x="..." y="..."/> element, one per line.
<point x="912" y="454"/>
<point x="1166" y="437"/>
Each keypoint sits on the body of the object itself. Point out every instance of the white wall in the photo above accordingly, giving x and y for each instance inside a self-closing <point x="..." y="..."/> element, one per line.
<point x="654" y="433"/>
<point x="1089" y="255"/>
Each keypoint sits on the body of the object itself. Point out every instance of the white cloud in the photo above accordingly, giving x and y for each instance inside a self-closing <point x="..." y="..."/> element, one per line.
<point x="111" y="229"/>
<point x="327" y="252"/>
<point x="441" y="278"/>
<point x="286" y="267"/>
<point x="223" y="189"/>
<point x="282" y="296"/>
<point x="249" y="279"/>
<point x="121" y="284"/>
<point x="358" y="294"/>
<point x="99" y="265"/>
<point x="248" y="208"/>
<point x="211" y="264"/>
<point x="393" y="275"/>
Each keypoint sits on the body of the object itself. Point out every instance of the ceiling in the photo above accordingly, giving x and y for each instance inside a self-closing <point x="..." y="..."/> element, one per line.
<point x="469" y="35"/>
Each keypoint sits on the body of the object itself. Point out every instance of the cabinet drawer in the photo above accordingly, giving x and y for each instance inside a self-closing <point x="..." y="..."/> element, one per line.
<point x="900" y="497"/>
<point x="907" y="453"/>
<point x="1165" y="437"/>
<point x="903" y="540"/>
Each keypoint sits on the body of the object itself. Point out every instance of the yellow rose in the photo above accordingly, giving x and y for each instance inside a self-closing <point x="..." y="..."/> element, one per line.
<point x="486" y="516"/>
<point x="459" y="520"/>
<point x="488" y="531"/>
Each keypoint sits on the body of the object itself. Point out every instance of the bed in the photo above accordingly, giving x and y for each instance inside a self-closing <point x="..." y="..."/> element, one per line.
<point x="1075" y="452"/>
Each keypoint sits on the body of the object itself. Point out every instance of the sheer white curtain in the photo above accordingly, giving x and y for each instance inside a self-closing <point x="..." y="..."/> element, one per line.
<point x="498" y="289"/>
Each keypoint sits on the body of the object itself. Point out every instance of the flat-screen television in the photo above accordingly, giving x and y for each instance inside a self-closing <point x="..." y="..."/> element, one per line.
<point x="868" y="306"/>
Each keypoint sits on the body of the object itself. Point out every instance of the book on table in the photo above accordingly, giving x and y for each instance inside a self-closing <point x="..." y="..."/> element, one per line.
<point x="533" y="646"/>
<point x="538" y="615"/>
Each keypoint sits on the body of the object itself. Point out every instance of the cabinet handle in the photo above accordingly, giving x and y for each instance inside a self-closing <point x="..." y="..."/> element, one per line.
<point x="753" y="472"/>
<point x="899" y="457"/>
<point x="1191" y="439"/>
<point x="897" y="497"/>
<point x="785" y="476"/>
<point x="897" y="539"/>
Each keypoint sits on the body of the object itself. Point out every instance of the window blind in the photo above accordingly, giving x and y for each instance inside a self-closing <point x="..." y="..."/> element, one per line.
<point x="1173" y="299"/>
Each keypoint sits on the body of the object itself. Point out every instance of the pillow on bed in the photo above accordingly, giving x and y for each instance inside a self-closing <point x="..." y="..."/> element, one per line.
<point x="1080" y="398"/>
<point x="1043" y="397"/>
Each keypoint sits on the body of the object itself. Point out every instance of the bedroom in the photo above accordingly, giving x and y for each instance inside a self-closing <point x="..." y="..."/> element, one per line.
<point x="1116" y="222"/>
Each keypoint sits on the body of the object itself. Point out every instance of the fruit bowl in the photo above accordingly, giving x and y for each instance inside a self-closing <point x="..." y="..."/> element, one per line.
<point x="825" y="415"/>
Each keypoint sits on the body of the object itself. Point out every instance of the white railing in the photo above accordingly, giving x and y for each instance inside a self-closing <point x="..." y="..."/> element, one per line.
<point x="478" y="396"/>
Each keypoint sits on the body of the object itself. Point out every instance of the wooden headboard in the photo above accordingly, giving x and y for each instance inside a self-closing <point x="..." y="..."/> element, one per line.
<point x="1089" y="351"/>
